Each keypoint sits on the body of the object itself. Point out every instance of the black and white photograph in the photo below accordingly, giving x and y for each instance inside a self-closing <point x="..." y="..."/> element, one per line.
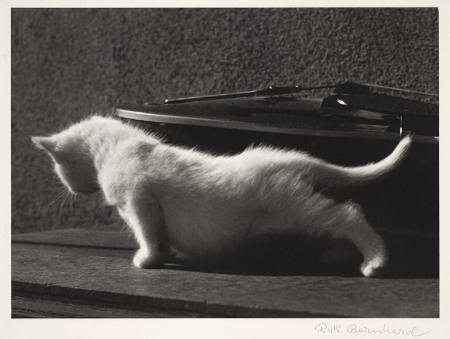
<point x="227" y="163"/>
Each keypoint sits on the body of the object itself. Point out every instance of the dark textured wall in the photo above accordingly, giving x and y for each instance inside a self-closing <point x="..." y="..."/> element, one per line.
<point x="69" y="63"/>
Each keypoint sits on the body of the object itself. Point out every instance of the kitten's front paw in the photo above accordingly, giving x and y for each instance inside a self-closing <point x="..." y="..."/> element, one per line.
<point x="374" y="267"/>
<point x="144" y="259"/>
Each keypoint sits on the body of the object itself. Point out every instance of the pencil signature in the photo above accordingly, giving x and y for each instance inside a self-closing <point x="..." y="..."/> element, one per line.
<point x="327" y="328"/>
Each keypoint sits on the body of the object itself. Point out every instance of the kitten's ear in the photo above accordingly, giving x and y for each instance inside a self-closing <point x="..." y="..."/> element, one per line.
<point x="46" y="143"/>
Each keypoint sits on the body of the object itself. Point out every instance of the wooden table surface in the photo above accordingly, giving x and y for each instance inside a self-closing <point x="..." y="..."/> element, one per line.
<point x="88" y="273"/>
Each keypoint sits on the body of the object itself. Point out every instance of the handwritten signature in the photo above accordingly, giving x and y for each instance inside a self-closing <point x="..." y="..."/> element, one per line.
<point x="327" y="328"/>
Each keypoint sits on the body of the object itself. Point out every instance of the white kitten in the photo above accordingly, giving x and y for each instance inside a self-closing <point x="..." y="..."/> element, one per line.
<point x="206" y="206"/>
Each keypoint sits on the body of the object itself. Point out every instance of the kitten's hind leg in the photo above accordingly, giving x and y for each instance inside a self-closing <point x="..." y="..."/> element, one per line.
<point x="366" y="239"/>
<point x="147" y="224"/>
<point x="347" y="221"/>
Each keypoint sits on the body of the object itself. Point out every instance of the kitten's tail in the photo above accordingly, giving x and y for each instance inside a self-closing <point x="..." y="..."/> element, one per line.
<point x="338" y="178"/>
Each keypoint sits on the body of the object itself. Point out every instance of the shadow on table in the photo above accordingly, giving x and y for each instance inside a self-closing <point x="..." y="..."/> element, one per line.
<point x="410" y="256"/>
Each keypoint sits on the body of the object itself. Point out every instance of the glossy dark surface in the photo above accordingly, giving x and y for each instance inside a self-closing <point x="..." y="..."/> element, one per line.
<point x="87" y="275"/>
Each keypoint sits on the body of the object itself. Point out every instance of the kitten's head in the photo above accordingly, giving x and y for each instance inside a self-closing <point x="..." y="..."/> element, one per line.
<point x="72" y="157"/>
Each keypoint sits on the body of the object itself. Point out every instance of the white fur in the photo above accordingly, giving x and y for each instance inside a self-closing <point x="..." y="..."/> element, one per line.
<point x="206" y="206"/>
